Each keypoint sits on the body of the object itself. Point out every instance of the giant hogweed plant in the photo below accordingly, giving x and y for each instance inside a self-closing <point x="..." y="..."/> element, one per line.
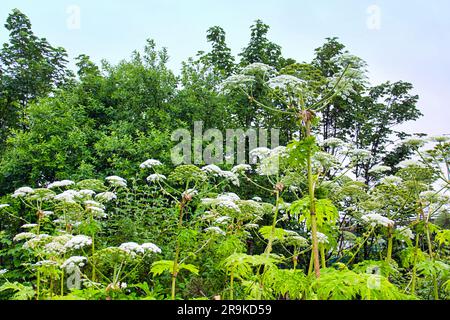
<point x="320" y="234"/>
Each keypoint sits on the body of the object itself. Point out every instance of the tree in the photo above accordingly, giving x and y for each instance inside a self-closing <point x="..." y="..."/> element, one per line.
<point x="30" y="68"/>
<point x="220" y="56"/>
<point x="260" y="48"/>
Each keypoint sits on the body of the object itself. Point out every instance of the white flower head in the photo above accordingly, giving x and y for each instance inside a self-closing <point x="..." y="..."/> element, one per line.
<point x="4" y="205"/>
<point x="73" y="263"/>
<point x="106" y="196"/>
<point x="240" y="168"/>
<point x="376" y="219"/>
<point x="29" y="226"/>
<point x="156" y="177"/>
<point x="23" y="236"/>
<point x="150" y="163"/>
<point x="222" y="219"/>
<point x="132" y="248"/>
<point x="379" y="169"/>
<point x="148" y="246"/>
<point x="212" y="169"/>
<point x="258" y="68"/>
<point x="405" y="232"/>
<point x="22" y="192"/>
<point x="216" y="230"/>
<point x="333" y="143"/>
<point x="416" y="142"/>
<point x="360" y="154"/>
<point x="259" y="153"/>
<point x="322" y="238"/>
<point x="116" y="181"/>
<point x="440" y="139"/>
<point x="238" y="81"/>
<point x="391" y="180"/>
<point x="411" y="164"/>
<point x="86" y="192"/>
<point x="78" y="242"/>
<point x="286" y="82"/>
<point x="60" y="184"/>
<point x="68" y="196"/>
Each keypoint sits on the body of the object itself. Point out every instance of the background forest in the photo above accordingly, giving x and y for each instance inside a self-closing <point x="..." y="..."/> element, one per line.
<point x="349" y="206"/>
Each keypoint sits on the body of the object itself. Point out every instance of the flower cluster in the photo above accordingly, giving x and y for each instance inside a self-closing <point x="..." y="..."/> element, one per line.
<point x="150" y="163"/>
<point x="376" y="219"/>
<point x="73" y="263"/>
<point x="60" y="184"/>
<point x="133" y="249"/>
<point x="78" y="242"/>
<point x="116" y="181"/>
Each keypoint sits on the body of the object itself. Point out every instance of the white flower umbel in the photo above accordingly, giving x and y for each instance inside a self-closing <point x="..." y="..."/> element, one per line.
<point x="87" y="192"/>
<point x="132" y="248"/>
<point x="60" y="184"/>
<point x="440" y="139"/>
<point x="68" y="196"/>
<point x="116" y="181"/>
<point x="92" y="203"/>
<point x="55" y="248"/>
<point x="379" y="169"/>
<point x="238" y="81"/>
<point x="259" y="153"/>
<point x="148" y="246"/>
<point x="411" y="164"/>
<point x="286" y="82"/>
<point x="415" y="142"/>
<point x="230" y="196"/>
<point x="150" y="163"/>
<point x="22" y="192"/>
<point x="359" y="154"/>
<point x="3" y="271"/>
<point x="333" y="143"/>
<point x="73" y="263"/>
<point x="212" y="169"/>
<point x="222" y="220"/>
<point x="391" y="180"/>
<point x="156" y="177"/>
<point x="78" y="242"/>
<point x="4" y="205"/>
<point x="106" y="196"/>
<point x="230" y="176"/>
<point x="241" y="168"/>
<point x="376" y="219"/>
<point x="322" y="238"/>
<point x="258" y="68"/>
<point x="405" y="232"/>
<point x="257" y="199"/>
<point x="37" y="241"/>
<point x="45" y="263"/>
<point x="29" y="226"/>
<point x="24" y="236"/>
<point x="216" y="230"/>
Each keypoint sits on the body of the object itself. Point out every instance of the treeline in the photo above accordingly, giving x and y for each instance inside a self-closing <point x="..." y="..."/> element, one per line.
<point x="104" y="119"/>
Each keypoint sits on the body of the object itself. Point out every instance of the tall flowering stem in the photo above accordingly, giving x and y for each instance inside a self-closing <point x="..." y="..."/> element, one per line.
<point x="307" y="117"/>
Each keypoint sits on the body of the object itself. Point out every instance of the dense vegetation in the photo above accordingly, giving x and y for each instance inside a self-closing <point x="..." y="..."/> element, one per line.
<point x="92" y="206"/>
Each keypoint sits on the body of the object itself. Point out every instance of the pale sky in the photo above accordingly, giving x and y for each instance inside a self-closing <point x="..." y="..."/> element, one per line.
<point x="409" y="40"/>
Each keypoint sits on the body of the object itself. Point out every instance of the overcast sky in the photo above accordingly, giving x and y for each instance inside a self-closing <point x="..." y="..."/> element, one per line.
<point x="405" y="40"/>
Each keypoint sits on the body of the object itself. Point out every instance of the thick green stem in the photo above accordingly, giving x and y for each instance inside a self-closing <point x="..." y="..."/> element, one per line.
<point x="312" y="206"/>
<point x="414" y="270"/>
<point x="177" y="253"/>
<point x="390" y="245"/>
<point x="322" y="256"/>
